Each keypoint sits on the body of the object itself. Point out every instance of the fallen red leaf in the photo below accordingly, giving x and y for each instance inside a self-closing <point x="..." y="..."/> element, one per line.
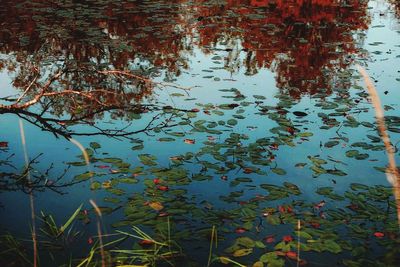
<point x="320" y="204"/>
<point x="90" y="241"/>
<point x="302" y="262"/>
<point x="281" y="209"/>
<point x="290" y="130"/>
<point x="189" y="141"/>
<point x="162" y="188"/>
<point x="287" y="238"/>
<point x="211" y="138"/>
<point x="240" y="230"/>
<point x="103" y="166"/>
<point x="247" y="170"/>
<point x="195" y="110"/>
<point x="315" y="224"/>
<point x="156" y="181"/>
<point x="379" y="234"/>
<point x="280" y="253"/>
<point x="146" y="242"/>
<point x="353" y="207"/>
<point x="291" y="255"/>
<point x="4" y="144"/>
<point x="274" y="146"/>
<point x="270" y="239"/>
<point x="224" y="177"/>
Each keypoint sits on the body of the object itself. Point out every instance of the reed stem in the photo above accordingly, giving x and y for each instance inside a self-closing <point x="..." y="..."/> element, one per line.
<point x="31" y="199"/>
<point x="392" y="172"/>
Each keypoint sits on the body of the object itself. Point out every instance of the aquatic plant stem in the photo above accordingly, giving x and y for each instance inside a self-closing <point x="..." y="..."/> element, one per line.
<point x="92" y="202"/>
<point x="211" y="246"/>
<point x="98" y="212"/>
<point x="392" y="170"/>
<point x="31" y="199"/>
<point x="298" y="242"/>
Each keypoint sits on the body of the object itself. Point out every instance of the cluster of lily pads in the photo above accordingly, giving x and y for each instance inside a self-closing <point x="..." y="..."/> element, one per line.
<point x="228" y="198"/>
<point x="257" y="221"/>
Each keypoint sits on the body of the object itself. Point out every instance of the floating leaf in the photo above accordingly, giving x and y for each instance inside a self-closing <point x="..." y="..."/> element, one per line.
<point x="232" y="122"/>
<point x="95" y="185"/>
<point x="278" y="171"/>
<point x="246" y="242"/>
<point x="84" y="176"/>
<point x="332" y="246"/>
<point x="138" y="147"/>
<point x="95" y="145"/>
<point x="189" y="141"/>
<point x="166" y="139"/>
<point x="300" y="113"/>
<point x="242" y="252"/>
<point x="324" y="190"/>
<point x="147" y="159"/>
<point x="156" y="206"/>
<point x="106" y="184"/>
<point x="331" y="144"/>
<point x="258" y="264"/>
<point x="273" y="219"/>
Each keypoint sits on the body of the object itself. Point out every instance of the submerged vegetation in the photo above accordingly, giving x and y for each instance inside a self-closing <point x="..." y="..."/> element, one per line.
<point x="155" y="134"/>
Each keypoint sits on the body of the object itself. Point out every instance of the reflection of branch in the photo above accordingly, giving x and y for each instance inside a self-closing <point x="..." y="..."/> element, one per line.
<point x="126" y="134"/>
<point x="65" y="104"/>
<point x="37" y="97"/>
<point x="146" y="80"/>
<point x="59" y="126"/>
<point x="27" y="89"/>
<point x="90" y="95"/>
<point x="39" y="181"/>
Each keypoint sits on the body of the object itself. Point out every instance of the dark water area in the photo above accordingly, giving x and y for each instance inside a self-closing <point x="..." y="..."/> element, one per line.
<point x="217" y="133"/>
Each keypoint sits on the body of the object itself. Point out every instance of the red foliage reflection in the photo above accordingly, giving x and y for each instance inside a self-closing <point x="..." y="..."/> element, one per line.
<point x="303" y="40"/>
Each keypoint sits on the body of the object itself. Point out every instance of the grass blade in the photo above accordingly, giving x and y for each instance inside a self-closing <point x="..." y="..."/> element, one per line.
<point x="70" y="220"/>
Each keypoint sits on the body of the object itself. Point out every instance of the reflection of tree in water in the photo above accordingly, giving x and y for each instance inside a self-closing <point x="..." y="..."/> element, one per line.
<point x="112" y="32"/>
<point x="305" y="42"/>
<point x="64" y="51"/>
<point x="118" y="36"/>
<point x="396" y="4"/>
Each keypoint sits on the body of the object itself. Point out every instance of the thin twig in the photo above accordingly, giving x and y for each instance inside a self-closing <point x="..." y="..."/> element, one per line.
<point x="137" y="77"/>
<point x="27" y="88"/>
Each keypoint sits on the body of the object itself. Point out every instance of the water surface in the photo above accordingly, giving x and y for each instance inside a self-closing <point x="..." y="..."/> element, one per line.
<point x="246" y="116"/>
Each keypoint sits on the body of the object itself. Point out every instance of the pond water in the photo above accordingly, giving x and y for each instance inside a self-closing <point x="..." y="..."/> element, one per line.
<point x="218" y="133"/>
